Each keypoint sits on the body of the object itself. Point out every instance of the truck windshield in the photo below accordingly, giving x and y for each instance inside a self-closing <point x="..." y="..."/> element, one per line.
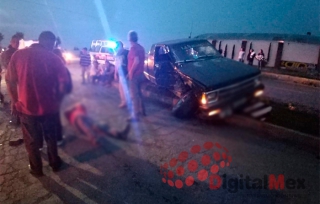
<point x="107" y="50"/>
<point x="193" y="50"/>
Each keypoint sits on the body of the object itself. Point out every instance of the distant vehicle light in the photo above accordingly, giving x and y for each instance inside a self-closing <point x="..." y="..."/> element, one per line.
<point x="214" y="112"/>
<point x="258" y="93"/>
<point x="68" y="56"/>
<point x="111" y="44"/>
<point x="204" y="99"/>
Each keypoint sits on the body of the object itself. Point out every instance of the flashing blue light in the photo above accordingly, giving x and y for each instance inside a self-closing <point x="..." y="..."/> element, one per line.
<point x="111" y="44"/>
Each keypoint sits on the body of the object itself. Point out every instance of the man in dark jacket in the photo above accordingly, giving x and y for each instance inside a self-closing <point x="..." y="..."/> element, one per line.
<point x="251" y="56"/>
<point x="5" y="59"/>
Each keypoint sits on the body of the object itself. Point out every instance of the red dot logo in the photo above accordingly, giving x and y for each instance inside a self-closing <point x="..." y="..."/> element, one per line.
<point x="189" y="181"/>
<point x="173" y="162"/>
<point x="202" y="175"/>
<point x="180" y="171"/>
<point x="208" y="145"/>
<point x="216" y="156"/>
<point x="214" y="169"/>
<point x="170" y="174"/>
<point x="178" y="184"/>
<point x="202" y="162"/>
<point x="193" y="165"/>
<point x="205" y="160"/>
<point x="170" y="182"/>
<point x="183" y="156"/>
<point x="195" y="149"/>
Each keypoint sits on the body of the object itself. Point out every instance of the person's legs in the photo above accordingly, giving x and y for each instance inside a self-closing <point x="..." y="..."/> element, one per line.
<point x="59" y="130"/>
<point x="1" y="95"/>
<point x="136" y="97"/>
<point x="133" y="87"/>
<point x="141" y="103"/>
<point x="92" y="79"/>
<point x="32" y="135"/>
<point x="83" y="73"/>
<point x="49" y="125"/>
<point x="109" y="79"/>
<point x="122" y="90"/>
<point x="104" y="129"/>
<point x="102" y="79"/>
<point x="84" y="125"/>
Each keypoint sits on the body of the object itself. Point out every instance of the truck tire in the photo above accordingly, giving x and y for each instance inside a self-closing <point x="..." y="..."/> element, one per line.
<point x="186" y="106"/>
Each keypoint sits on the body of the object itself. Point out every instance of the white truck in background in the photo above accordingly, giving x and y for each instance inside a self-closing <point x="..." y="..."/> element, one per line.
<point x="102" y="50"/>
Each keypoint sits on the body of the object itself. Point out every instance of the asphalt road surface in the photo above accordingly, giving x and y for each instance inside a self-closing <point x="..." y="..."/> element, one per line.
<point x="290" y="92"/>
<point x="164" y="160"/>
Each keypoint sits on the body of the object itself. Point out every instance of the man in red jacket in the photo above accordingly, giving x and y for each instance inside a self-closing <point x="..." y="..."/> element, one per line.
<point x="36" y="80"/>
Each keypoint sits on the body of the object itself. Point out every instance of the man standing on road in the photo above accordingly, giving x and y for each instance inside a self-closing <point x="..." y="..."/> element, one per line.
<point x="121" y="72"/>
<point x="85" y="62"/>
<point x="5" y="58"/>
<point x="241" y="55"/>
<point x="250" y="57"/>
<point x="36" y="80"/>
<point x="136" y="59"/>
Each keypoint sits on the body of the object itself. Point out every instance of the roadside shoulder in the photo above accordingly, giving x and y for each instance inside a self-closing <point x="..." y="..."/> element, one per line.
<point x="278" y="133"/>
<point x="295" y="79"/>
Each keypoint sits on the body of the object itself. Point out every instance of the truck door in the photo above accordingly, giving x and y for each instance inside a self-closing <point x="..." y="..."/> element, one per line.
<point x="150" y="61"/>
<point x="163" y="69"/>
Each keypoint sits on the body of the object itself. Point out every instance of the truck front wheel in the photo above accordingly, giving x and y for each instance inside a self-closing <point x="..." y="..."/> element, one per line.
<point x="186" y="106"/>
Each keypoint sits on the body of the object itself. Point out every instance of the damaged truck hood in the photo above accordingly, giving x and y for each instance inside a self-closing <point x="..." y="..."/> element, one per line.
<point x="218" y="72"/>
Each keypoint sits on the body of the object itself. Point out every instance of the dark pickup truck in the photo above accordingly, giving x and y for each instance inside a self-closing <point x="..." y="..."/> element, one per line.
<point x="202" y="80"/>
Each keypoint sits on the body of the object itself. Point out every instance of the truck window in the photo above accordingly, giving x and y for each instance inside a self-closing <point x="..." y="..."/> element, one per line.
<point x="151" y="52"/>
<point x="161" y="54"/>
<point x="106" y="50"/>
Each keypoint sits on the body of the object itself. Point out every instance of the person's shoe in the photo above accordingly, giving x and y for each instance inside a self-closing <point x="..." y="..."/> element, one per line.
<point x="122" y="105"/>
<point x="133" y="119"/>
<point x="1" y="98"/>
<point x="57" y="167"/>
<point x="124" y="134"/>
<point x="143" y="114"/>
<point x="35" y="173"/>
<point x="60" y="143"/>
<point x="15" y="142"/>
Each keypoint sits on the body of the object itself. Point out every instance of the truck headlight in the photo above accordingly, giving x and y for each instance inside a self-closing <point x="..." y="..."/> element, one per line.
<point x="204" y="100"/>
<point x="209" y="97"/>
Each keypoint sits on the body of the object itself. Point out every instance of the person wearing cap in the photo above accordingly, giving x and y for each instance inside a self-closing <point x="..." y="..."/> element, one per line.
<point x="36" y="80"/>
<point x="136" y="57"/>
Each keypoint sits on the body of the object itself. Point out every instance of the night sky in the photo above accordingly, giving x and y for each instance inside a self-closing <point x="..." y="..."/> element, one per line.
<point x="77" y="22"/>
